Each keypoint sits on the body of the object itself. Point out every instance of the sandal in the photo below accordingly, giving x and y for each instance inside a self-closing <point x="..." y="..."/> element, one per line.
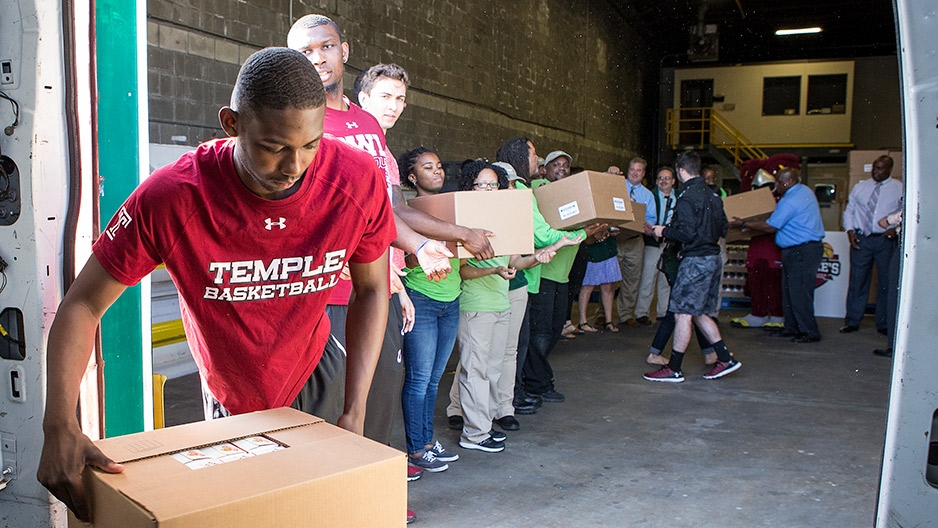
<point x="569" y="329"/>
<point x="611" y="327"/>
<point x="586" y="327"/>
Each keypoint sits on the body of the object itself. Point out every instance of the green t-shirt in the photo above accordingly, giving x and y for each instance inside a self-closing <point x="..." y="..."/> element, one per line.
<point x="488" y="293"/>
<point x="444" y="291"/>
<point x="558" y="269"/>
<point x="544" y="235"/>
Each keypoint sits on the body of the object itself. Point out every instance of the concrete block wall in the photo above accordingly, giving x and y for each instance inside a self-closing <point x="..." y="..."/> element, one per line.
<point x="570" y="75"/>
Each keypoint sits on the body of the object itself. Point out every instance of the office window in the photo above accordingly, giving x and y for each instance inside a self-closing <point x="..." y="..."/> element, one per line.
<point x="781" y="95"/>
<point x="827" y="94"/>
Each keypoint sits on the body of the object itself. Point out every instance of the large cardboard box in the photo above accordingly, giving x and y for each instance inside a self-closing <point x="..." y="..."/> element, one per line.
<point x="636" y="226"/>
<point x="752" y="205"/>
<point x="509" y="214"/>
<point x="306" y="473"/>
<point x="585" y="198"/>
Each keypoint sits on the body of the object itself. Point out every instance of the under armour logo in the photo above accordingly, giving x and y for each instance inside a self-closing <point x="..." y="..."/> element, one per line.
<point x="122" y="220"/>
<point x="282" y="223"/>
<point x="350" y="124"/>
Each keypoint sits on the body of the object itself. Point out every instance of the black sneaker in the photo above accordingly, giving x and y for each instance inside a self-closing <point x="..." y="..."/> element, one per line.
<point x="552" y="396"/>
<point x="498" y="436"/>
<point x="508" y="423"/>
<point x="524" y="408"/>
<point x="489" y="445"/>
<point x="455" y="422"/>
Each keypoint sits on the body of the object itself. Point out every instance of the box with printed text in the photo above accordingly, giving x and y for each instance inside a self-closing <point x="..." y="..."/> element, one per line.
<point x="584" y="198"/>
<point x="280" y="467"/>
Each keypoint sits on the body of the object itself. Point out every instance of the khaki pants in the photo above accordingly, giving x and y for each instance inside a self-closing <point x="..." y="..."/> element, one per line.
<point x="631" y="255"/>
<point x="483" y="338"/>
<point x="652" y="278"/>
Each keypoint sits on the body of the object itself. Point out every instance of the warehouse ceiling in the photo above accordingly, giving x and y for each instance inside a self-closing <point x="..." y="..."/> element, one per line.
<point x="745" y="29"/>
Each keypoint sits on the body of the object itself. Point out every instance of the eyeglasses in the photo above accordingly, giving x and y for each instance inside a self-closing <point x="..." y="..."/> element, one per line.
<point x="485" y="185"/>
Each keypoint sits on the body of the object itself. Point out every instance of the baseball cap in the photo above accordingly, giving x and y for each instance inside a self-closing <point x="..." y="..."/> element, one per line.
<point x="556" y="154"/>
<point x="512" y="175"/>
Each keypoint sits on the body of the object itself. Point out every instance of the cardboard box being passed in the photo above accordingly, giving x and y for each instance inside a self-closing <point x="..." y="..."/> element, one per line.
<point x="585" y="198"/>
<point x="318" y="475"/>
<point x="752" y="205"/>
<point x="506" y="213"/>
<point x="635" y="226"/>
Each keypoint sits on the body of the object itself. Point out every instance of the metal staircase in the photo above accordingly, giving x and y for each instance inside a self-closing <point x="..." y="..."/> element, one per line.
<point x="706" y="129"/>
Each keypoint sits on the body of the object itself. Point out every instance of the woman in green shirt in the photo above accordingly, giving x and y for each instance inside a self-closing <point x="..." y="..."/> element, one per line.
<point x="428" y="346"/>
<point x="484" y="313"/>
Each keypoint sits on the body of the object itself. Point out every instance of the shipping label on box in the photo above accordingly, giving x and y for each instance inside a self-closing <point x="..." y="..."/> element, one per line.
<point x="585" y="198"/>
<point x="280" y="467"/>
<point x="509" y="214"/>
<point x="753" y="205"/>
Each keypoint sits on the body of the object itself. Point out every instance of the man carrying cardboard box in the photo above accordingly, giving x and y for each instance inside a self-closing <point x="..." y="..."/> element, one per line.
<point x="799" y="231"/>
<point x="869" y="201"/>
<point x="250" y="227"/>
<point x="698" y="223"/>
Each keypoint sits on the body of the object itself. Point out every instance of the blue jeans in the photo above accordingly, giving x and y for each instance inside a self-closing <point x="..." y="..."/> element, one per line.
<point x="426" y="350"/>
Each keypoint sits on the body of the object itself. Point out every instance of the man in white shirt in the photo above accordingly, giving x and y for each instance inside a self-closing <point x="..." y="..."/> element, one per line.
<point x="869" y="201"/>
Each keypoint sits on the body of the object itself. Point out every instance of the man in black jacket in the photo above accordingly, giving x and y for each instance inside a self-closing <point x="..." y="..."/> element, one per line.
<point x="698" y="223"/>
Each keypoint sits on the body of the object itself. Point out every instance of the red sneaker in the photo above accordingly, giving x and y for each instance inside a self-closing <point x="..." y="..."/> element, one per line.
<point x="664" y="374"/>
<point x="722" y="368"/>
<point x="411" y="516"/>
<point x="413" y="473"/>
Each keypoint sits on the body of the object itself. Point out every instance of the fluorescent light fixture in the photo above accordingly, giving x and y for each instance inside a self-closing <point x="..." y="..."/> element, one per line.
<point x="798" y="31"/>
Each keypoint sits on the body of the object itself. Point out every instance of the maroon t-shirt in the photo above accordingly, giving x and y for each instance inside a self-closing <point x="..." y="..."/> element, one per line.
<point x="254" y="275"/>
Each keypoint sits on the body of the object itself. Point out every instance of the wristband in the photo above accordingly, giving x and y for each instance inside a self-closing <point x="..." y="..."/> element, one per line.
<point x="424" y="243"/>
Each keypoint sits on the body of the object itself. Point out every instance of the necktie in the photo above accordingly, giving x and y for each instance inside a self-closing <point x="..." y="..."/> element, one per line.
<point x="667" y="212"/>
<point x="871" y="207"/>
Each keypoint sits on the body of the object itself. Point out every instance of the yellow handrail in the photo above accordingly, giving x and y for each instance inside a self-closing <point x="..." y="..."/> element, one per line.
<point x="167" y="333"/>
<point x="702" y="126"/>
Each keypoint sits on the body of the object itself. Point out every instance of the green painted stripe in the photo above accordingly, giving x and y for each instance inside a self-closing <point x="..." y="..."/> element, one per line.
<point x="119" y="160"/>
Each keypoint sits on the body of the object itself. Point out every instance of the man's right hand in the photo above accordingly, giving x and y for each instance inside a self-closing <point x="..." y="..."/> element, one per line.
<point x="477" y="243"/>
<point x="65" y="454"/>
<point x="854" y="239"/>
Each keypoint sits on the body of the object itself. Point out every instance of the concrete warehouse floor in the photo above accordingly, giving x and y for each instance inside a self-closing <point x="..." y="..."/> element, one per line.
<point x="793" y="439"/>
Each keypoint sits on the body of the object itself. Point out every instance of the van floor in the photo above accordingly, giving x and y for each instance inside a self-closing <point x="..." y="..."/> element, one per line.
<point x="792" y="439"/>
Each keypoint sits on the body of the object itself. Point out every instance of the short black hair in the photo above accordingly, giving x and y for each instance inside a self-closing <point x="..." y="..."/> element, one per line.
<point x="406" y="163"/>
<point x="277" y="78"/>
<point x="689" y="161"/>
<point x="471" y="169"/>
<point x="311" y="21"/>
<point x="367" y="78"/>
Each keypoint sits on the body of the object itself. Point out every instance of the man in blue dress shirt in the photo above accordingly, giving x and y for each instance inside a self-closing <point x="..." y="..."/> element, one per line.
<point x="631" y="250"/>
<point x="798" y="230"/>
